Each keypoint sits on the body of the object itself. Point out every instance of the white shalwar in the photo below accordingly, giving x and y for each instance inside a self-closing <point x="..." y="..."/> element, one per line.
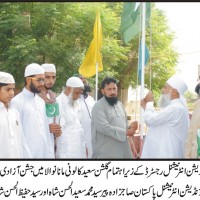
<point x="71" y="143"/>
<point x="167" y="132"/>
<point x="34" y="122"/>
<point x="10" y="133"/>
<point x="86" y="106"/>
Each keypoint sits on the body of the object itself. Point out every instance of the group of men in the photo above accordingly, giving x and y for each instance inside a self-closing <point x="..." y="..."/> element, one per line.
<point x="36" y="123"/>
<point x="29" y="130"/>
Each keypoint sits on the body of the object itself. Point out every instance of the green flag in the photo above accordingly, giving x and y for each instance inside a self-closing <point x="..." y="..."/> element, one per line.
<point x="131" y="20"/>
<point x="52" y="109"/>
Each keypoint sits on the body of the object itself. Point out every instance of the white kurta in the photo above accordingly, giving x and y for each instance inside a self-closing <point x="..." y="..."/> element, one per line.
<point x="50" y="97"/>
<point x="86" y="106"/>
<point x="34" y="122"/>
<point x="167" y="132"/>
<point x="71" y="144"/>
<point x="10" y="133"/>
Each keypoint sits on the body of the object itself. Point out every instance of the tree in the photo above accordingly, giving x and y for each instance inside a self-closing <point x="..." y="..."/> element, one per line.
<point x="60" y="33"/>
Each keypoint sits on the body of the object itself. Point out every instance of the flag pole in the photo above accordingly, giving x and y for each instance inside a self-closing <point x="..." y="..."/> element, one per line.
<point x="96" y="96"/>
<point x="97" y="65"/>
<point x="142" y="69"/>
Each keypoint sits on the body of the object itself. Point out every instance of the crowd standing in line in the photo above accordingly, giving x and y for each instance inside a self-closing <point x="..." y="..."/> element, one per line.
<point x="88" y="129"/>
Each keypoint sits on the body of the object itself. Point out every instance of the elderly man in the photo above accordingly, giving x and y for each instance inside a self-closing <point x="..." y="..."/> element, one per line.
<point x="50" y="99"/>
<point x="32" y="112"/>
<point x="71" y="144"/>
<point x="109" y="124"/>
<point x="10" y="125"/>
<point x="167" y="127"/>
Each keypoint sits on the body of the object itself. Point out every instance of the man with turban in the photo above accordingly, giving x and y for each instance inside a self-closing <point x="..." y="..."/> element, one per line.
<point x="33" y="114"/>
<point x="168" y="127"/>
<point x="50" y="99"/>
<point x="71" y="144"/>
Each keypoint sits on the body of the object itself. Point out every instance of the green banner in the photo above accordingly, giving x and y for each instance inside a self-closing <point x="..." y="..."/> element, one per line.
<point x="52" y="109"/>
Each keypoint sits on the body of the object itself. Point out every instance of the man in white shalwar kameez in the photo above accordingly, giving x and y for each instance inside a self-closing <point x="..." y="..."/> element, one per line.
<point x="168" y="127"/>
<point x="71" y="144"/>
<point x="49" y="97"/>
<point x="10" y="125"/>
<point x="33" y="114"/>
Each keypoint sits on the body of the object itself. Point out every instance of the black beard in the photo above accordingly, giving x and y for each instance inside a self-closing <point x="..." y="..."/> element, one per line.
<point x="111" y="100"/>
<point x="33" y="88"/>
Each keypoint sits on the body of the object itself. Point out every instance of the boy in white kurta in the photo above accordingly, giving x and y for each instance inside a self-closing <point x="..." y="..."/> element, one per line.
<point x="10" y="125"/>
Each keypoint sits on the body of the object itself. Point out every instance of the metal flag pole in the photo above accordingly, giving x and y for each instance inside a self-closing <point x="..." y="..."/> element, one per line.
<point x="96" y="96"/>
<point x="142" y="69"/>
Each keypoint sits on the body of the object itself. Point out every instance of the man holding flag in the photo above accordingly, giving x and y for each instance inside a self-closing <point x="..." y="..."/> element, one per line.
<point x="52" y="108"/>
<point x="167" y="127"/>
<point x="110" y="130"/>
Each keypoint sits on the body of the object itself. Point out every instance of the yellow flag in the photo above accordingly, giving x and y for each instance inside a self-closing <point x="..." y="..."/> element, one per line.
<point x="93" y="55"/>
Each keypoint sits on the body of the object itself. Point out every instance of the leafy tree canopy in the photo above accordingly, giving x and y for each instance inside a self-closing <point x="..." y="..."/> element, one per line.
<point x="61" y="32"/>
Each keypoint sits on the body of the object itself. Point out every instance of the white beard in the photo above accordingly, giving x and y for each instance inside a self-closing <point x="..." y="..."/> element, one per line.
<point x="71" y="101"/>
<point x="164" y="100"/>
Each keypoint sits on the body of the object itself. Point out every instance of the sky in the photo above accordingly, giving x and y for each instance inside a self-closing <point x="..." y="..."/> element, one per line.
<point x="184" y="21"/>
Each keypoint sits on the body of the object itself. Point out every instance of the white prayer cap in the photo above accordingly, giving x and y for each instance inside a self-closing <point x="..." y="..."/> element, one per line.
<point x="6" y="78"/>
<point x="33" y="69"/>
<point x="74" y="82"/>
<point x="178" y="83"/>
<point x="48" y="67"/>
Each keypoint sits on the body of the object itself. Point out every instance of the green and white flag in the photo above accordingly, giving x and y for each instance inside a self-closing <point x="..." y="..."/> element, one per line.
<point x="131" y="20"/>
<point x="52" y="109"/>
